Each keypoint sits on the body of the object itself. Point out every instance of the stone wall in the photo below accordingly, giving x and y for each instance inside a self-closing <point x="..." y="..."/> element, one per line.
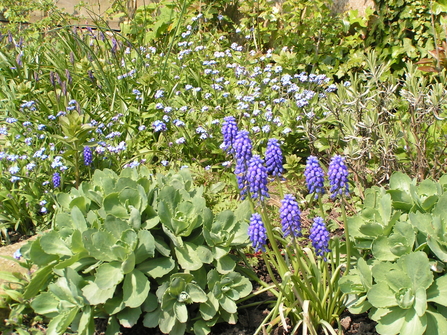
<point x="345" y="5"/>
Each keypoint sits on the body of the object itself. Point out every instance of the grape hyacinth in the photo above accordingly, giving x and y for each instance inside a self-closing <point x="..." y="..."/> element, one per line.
<point x="242" y="149"/>
<point x="257" y="178"/>
<point x="229" y="132"/>
<point x="257" y="232"/>
<point x="319" y="235"/>
<point x="274" y="158"/>
<point x="88" y="156"/>
<point x="289" y="213"/>
<point x="56" y="180"/>
<point x="338" y="176"/>
<point x="314" y="176"/>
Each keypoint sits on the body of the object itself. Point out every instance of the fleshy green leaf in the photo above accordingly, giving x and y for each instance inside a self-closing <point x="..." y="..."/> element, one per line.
<point x="135" y="289"/>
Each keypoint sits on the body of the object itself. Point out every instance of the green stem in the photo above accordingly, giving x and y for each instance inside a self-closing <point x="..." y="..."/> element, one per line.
<point x="347" y="239"/>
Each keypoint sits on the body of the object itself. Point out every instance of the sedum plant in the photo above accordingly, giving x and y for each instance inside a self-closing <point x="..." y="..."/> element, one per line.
<point x="135" y="245"/>
<point x="400" y="275"/>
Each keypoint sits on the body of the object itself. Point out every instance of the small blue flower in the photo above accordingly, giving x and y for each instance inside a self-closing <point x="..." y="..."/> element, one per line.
<point x="56" y="180"/>
<point x="289" y="213"/>
<point x="159" y="126"/>
<point x="243" y="151"/>
<point x="17" y="254"/>
<point x="88" y="156"/>
<point x="257" y="232"/>
<point x="338" y="176"/>
<point x="314" y="176"/>
<point x="274" y="158"/>
<point x="319" y="235"/>
<point x="257" y="178"/>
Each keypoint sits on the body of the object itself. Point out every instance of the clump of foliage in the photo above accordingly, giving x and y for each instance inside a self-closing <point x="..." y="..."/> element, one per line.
<point x="131" y="246"/>
<point x="400" y="276"/>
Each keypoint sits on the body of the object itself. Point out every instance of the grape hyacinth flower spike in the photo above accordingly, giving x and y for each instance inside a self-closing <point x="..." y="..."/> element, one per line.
<point x="257" y="232"/>
<point x="257" y="178"/>
<point x="243" y="152"/>
<point x="314" y="176"/>
<point x="274" y="158"/>
<point x="290" y="216"/>
<point x="229" y="132"/>
<point x="88" y="156"/>
<point x="56" y="180"/>
<point x="338" y="176"/>
<point x="319" y="235"/>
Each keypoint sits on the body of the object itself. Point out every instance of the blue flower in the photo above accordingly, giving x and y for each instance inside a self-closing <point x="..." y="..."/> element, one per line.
<point x="88" y="156"/>
<point x="229" y="132"/>
<point x="56" y="180"/>
<point x="319" y="236"/>
<point x="243" y="151"/>
<point x="289" y="213"/>
<point x="257" y="178"/>
<point x="274" y="158"/>
<point x="17" y="254"/>
<point x="338" y="176"/>
<point x="257" y="232"/>
<point x="314" y="176"/>
<point x="159" y="126"/>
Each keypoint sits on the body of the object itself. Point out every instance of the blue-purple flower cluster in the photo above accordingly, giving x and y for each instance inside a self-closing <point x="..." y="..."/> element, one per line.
<point x="257" y="232"/>
<point x="319" y="235"/>
<point x="337" y="176"/>
<point x="290" y="216"/>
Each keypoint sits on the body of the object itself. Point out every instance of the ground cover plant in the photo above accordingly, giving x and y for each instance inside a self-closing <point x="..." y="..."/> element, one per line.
<point x="216" y="124"/>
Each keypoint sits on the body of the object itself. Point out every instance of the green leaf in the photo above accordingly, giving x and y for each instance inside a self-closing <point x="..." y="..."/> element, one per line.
<point x="225" y="264"/>
<point x="196" y="293"/>
<point x="417" y="267"/>
<point x="187" y="257"/>
<point x="436" y="323"/>
<point x="437" y="292"/>
<point x="78" y="219"/>
<point x="38" y="256"/>
<point x="420" y="305"/>
<point x="228" y="304"/>
<point x="135" y="218"/>
<point x="438" y="249"/>
<point x="129" y="263"/>
<point x="157" y="267"/>
<point x="381" y="249"/>
<point x="181" y="312"/>
<point x="98" y="244"/>
<point x="145" y="247"/>
<point x="113" y="206"/>
<point x="414" y="325"/>
<point x="114" y="305"/>
<point x="38" y="282"/>
<point x="151" y="319"/>
<point x="95" y="295"/>
<point x="52" y="244"/>
<point x="86" y="324"/>
<point x="113" y="327"/>
<point x="201" y="328"/>
<point x="108" y="275"/>
<point x="390" y="323"/>
<point x="135" y="289"/>
<point x="46" y="304"/>
<point x="380" y="295"/>
<point x="128" y="317"/>
<point x="60" y="323"/>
